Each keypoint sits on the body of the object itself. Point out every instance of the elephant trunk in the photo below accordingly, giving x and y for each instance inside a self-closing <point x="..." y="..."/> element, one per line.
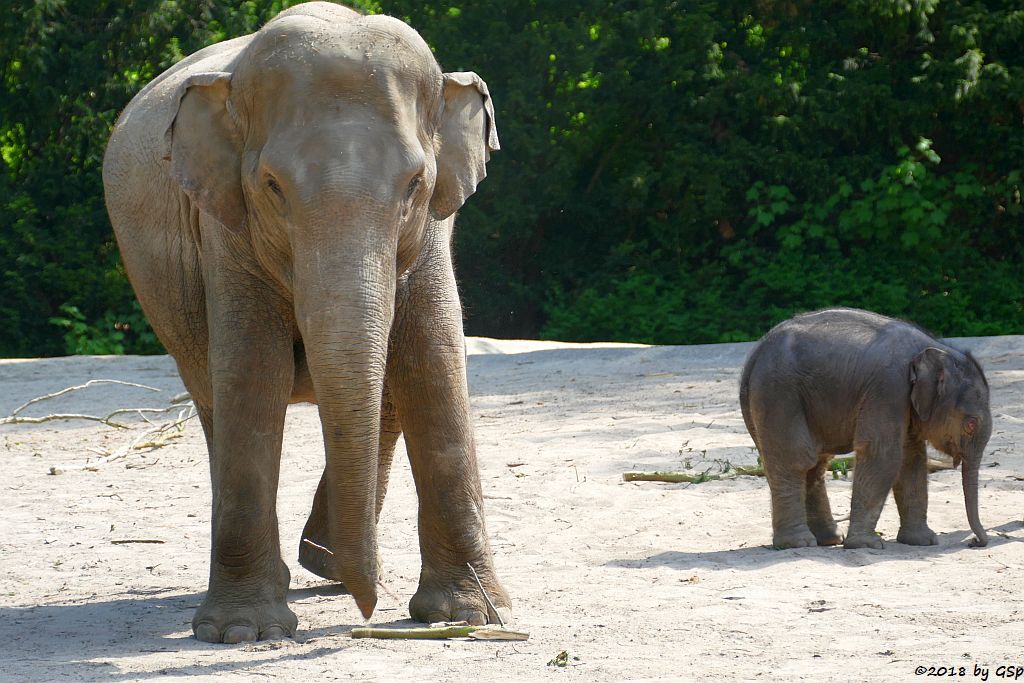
<point x="344" y="302"/>
<point x="970" y="481"/>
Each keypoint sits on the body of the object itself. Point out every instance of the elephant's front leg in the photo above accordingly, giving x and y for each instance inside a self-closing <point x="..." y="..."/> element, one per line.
<point x="427" y="370"/>
<point x="876" y="467"/>
<point x="251" y="371"/>
<point x="911" y="494"/>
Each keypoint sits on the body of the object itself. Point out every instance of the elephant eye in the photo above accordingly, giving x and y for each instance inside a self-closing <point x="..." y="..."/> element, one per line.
<point x="275" y="188"/>
<point x="414" y="185"/>
<point x="971" y="425"/>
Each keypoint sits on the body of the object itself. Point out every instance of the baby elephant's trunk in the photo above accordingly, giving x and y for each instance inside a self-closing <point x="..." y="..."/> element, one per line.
<point x="970" y="479"/>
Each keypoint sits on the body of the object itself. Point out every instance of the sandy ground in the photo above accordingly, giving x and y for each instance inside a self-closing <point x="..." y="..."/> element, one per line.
<point x="633" y="581"/>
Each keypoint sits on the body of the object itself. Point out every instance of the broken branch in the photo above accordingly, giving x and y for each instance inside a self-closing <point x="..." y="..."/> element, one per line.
<point x="487" y="599"/>
<point x="837" y="465"/>
<point x="440" y="633"/>
<point x="150" y="438"/>
<point x="77" y="387"/>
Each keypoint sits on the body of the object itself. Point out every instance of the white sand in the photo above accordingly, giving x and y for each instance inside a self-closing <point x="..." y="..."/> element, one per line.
<point x="634" y="581"/>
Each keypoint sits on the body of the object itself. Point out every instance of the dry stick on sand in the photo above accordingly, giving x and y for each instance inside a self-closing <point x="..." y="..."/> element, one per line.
<point x="487" y="598"/>
<point x="148" y="439"/>
<point x="685" y="477"/>
<point x="16" y="418"/>
<point x="441" y="632"/>
<point x="838" y="464"/>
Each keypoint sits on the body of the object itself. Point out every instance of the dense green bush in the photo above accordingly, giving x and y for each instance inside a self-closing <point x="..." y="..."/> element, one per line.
<point x="671" y="172"/>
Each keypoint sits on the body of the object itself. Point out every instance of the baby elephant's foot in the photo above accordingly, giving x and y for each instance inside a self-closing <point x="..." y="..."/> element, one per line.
<point x="863" y="540"/>
<point x="917" y="536"/>
<point x="800" y="537"/>
<point x="459" y="599"/>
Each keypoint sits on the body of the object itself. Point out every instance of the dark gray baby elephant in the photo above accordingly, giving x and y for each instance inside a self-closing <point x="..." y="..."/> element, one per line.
<point x="844" y="380"/>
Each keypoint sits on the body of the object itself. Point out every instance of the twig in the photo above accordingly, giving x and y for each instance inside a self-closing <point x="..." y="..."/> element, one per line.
<point x="77" y="387"/>
<point x="440" y="633"/>
<point x="317" y="546"/>
<point x="669" y="477"/>
<point x="136" y="444"/>
<point x="137" y="540"/>
<point x="14" y="419"/>
<point x="837" y="465"/>
<point x="685" y="477"/>
<point x="486" y="597"/>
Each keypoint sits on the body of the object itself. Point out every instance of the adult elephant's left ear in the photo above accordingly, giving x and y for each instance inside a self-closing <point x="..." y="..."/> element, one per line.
<point x="468" y="135"/>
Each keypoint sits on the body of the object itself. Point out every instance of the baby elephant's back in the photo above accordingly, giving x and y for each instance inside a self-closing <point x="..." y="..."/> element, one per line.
<point x="820" y="364"/>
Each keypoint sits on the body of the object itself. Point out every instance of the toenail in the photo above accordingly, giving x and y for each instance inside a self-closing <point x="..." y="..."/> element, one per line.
<point x="207" y="632"/>
<point x="273" y="633"/>
<point x="238" y="634"/>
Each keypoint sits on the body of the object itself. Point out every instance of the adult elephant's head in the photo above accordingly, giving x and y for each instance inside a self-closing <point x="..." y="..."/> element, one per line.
<point x="950" y="396"/>
<point x="326" y="146"/>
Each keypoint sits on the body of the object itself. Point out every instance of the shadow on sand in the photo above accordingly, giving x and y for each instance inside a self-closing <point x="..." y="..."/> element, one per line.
<point x="73" y="640"/>
<point x="764" y="556"/>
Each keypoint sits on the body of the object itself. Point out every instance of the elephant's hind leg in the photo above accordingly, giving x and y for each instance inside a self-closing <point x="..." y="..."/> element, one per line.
<point x="819" y="513"/>
<point x="788" y="456"/>
<point x="317" y="555"/>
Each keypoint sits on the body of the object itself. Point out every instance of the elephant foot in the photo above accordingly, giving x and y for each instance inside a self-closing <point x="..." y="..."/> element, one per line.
<point x="863" y="540"/>
<point x="318" y="559"/>
<point x="917" y="536"/>
<point x="231" y="614"/>
<point x="826" y="533"/>
<point x="833" y="538"/>
<point x="459" y="599"/>
<point x="793" y="538"/>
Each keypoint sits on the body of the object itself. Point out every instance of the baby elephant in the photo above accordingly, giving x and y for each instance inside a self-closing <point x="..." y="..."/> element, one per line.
<point x="844" y="380"/>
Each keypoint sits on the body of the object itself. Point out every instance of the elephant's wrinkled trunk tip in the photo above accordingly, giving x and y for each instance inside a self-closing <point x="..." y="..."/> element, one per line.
<point x="366" y="600"/>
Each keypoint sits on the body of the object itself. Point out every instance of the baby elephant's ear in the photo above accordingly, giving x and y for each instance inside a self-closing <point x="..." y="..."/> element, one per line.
<point x="928" y="374"/>
<point x="204" y="148"/>
<point x="467" y="138"/>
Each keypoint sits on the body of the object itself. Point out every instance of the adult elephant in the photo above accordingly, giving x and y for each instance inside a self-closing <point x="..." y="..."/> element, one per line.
<point x="284" y="206"/>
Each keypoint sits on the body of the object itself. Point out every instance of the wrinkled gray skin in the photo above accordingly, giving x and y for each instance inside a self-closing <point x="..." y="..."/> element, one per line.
<point x="284" y="205"/>
<point x="844" y="380"/>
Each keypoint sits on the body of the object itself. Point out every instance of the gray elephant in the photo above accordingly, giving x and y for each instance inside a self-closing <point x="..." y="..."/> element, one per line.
<point x="284" y="206"/>
<point x="844" y="380"/>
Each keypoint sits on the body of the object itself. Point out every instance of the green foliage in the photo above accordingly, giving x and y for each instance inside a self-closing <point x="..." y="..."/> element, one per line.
<point x="671" y="172"/>
<point x="111" y="336"/>
<point x="67" y="68"/>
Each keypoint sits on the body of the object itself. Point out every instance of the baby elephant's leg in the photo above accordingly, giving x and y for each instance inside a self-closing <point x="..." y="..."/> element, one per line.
<point x="911" y="493"/>
<point x="787" y="481"/>
<point x="877" y="466"/>
<point x="819" y="514"/>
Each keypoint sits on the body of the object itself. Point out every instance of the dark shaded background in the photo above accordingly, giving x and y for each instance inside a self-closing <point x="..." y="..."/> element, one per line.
<point x="671" y="172"/>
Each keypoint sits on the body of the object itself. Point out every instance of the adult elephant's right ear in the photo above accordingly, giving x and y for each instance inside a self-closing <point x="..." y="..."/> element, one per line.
<point x="467" y="135"/>
<point x="204" y="146"/>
